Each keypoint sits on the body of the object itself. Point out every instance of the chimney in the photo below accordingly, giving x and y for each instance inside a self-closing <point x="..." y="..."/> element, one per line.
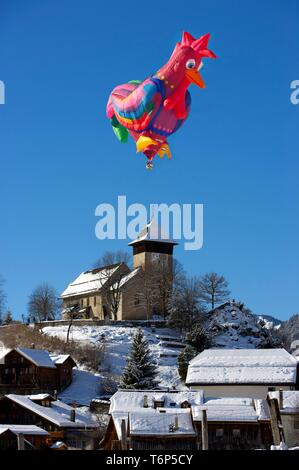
<point x="32" y="345"/>
<point x="55" y="394"/>
<point x="73" y="415"/>
<point x="20" y="441"/>
<point x="280" y="399"/>
<point x="145" y="401"/>
<point x="176" y="422"/>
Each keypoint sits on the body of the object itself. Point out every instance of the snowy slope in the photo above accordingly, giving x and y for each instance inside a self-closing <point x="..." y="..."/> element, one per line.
<point x="164" y="344"/>
<point x="232" y="326"/>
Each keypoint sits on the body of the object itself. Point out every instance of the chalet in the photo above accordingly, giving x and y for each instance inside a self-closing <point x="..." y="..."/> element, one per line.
<point x="133" y="293"/>
<point x="63" y="422"/>
<point x="64" y="364"/>
<point x="24" y="370"/>
<point x="289" y="412"/>
<point x="22" y="437"/>
<point x="151" y="420"/>
<point x="242" y="372"/>
<point x="234" y="423"/>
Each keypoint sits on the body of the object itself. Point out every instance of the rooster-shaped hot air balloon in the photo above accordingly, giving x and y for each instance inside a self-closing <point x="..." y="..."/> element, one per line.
<point x="157" y="107"/>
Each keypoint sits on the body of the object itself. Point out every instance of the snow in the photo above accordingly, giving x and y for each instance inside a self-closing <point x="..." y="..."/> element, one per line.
<point x="153" y="232"/>
<point x="89" y="281"/>
<point x="58" y="413"/>
<point x="39" y="357"/>
<point x="155" y="424"/>
<point x="23" y="429"/>
<point x="117" y="342"/>
<point x="232" y="409"/>
<point x="57" y="445"/>
<point x="242" y="366"/>
<point x="127" y="400"/>
<point x="84" y="387"/>
<point x="59" y="358"/>
<point x="40" y="396"/>
<point x="290" y="400"/>
<point x="129" y="276"/>
<point x="232" y="326"/>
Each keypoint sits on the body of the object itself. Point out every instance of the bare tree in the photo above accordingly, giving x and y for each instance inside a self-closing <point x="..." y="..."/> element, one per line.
<point x="113" y="257"/>
<point x="113" y="286"/>
<point x="2" y="298"/>
<point x="186" y="307"/>
<point x="43" y="303"/>
<point x="214" y="289"/>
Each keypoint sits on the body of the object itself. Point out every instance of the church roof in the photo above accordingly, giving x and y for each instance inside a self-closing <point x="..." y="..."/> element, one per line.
<point x="154" y="233"/>
<point x="90" y="281"/>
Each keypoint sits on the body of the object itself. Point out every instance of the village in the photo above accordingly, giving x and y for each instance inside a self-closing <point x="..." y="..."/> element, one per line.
<point x="239" y="391"/>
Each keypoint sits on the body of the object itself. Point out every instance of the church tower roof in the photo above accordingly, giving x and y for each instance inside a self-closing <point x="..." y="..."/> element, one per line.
<point x="152" y="232"/>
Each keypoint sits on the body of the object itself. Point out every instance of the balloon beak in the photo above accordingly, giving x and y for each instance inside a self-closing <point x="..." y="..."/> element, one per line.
<point x="194" y="77"/>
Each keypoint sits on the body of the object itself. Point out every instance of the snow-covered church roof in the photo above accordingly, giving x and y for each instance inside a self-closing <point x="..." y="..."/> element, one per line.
<point x="242" y="366"/>
<point x="90" y="281"/>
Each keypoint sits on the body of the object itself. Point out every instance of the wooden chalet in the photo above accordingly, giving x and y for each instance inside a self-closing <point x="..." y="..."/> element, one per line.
<point x="24" y="370"/>
<point x="152" y="420"/>
<point x="16" y="437"/>
<point x="63" y="422"/>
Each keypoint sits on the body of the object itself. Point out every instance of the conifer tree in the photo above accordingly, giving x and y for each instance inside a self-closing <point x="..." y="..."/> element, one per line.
<point x="140" y="371"/>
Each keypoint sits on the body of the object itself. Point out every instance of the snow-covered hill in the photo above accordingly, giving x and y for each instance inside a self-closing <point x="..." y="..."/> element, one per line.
<point x="165" y="345"/>
<point x="230" y="326"/>
<point x="233" y="326"/>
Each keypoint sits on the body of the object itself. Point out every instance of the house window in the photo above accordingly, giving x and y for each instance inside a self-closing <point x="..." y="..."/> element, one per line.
<point x="158" y="403"/>
<point x="94" y="304"/>
<point x="219" y="432"/>
<point x="172" y="404"/>
<point x="236" y="432"/>
<point x="271" y="389"/>
<point x="72" y="443"/>
<point x="136" y="299"/>
<point x="81" y="303"/>
<point x="87" y="302"/>
<point x="296" y="422"/>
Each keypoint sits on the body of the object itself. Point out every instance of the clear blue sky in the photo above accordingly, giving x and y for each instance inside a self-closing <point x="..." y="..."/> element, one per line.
<point x="237" y="153"/>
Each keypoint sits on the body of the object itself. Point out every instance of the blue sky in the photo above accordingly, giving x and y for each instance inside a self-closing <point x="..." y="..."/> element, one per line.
<point x="237" y="153"/>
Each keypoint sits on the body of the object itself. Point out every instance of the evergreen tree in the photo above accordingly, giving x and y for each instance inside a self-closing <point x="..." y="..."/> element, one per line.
<point x="188" y="353"/>
<point x="198" y="338"/>
<point x="140" y="370"/>
<point x="7" y="318"/>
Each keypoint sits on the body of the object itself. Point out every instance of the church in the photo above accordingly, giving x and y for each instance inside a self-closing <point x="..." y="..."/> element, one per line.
<point x="116" y="292"/>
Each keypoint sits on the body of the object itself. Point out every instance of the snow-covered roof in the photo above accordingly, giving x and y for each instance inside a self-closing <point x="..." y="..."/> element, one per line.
<point x="295" y="344"/>
<point x="58" y="413"/>
<point x="126" y="400"/>
<point x="225" y="366"/>
<point x="23" y="429"/>
<point x="40" y="396"/>
<point x="290" y="401"/>
<point x="152" y="232"/>
<point x="39" y="357"/>
<point x="59" y="358"/>
<point x="159" y="424"/>
<point x="90" y="281"/>
<point x="58" y="445"/>
<point x="232" y="409"/>
<point x="129" y="276"/>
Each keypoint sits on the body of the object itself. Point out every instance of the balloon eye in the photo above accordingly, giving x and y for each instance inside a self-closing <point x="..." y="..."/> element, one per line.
<point x="190" y="64"/>
<point x="200" y="66"/>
